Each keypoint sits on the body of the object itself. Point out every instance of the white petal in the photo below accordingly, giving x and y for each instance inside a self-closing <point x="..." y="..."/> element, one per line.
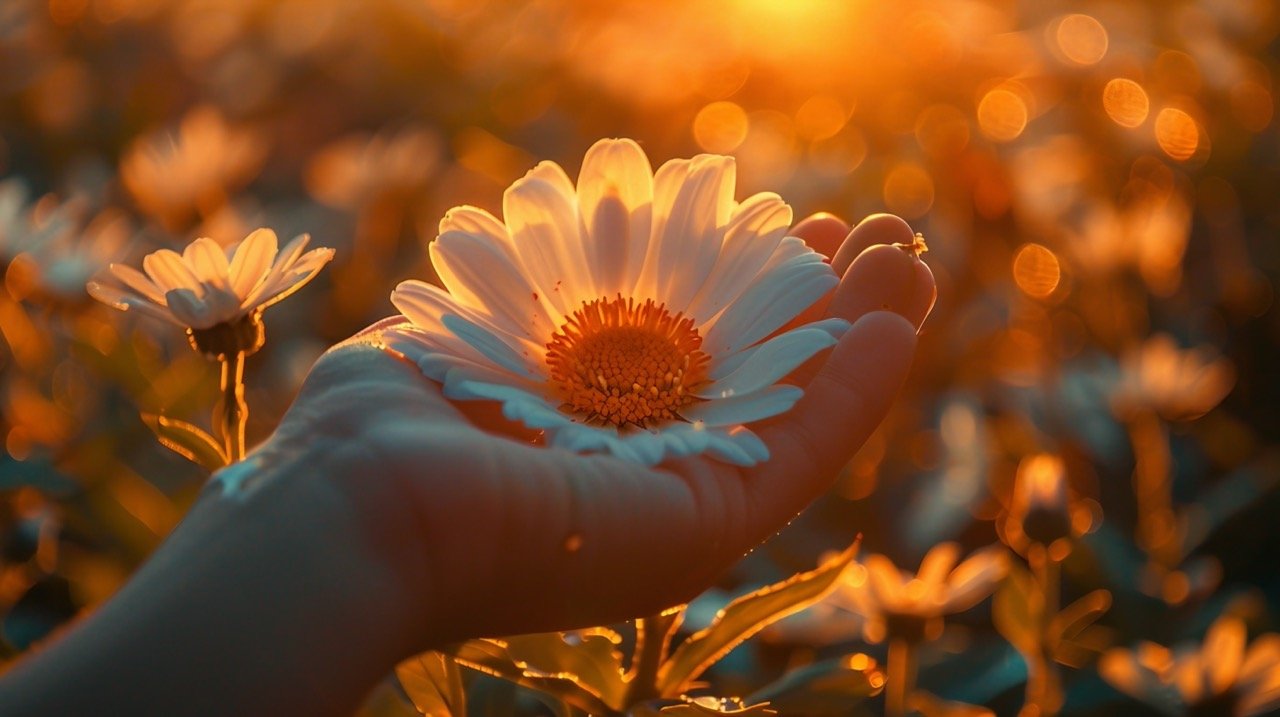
<point x="685" y="439"/>
<point x="543" y="220"/>
<point x="667" y="182"/>
<point x="478" y="272"/>
<point x="138" y="281"/>
<point x="113" y="296"/>
<point x="692" y="231"/>
<point x="774" y="299"/>
<point x="722" y="447"/>
<point x="251" y="261"/>
<point x="1119" y="667"/>
<point x="592" y="439"/>
<point x="754" y="232"/>
<point x="976" y="577"/>
<point x="536" y="414"/>
<point x="280" y="287"/>
<point x="473" y="220"/>
<point x="610" y="242"/>
<point x="167" y="270"/>
<point x="724" y="364"/>
<point x="1262" y="662"/>
<point x="884" y="582"/>
<point x="1224" y="652"/>
<point x="471" y="383"/>
<point x="492" y="346"/>
<point x="744" y="409"/>
<point x="937" y="564"/>
<point x="615" y="192"/>
<point x="750" y="443"/>
<point x="278" y="278"/>
<point x="434" y="350"/>
<point x="189" y="309"/>
<point x="206" y="260"/>
<point x="769" y="362"/>
<point x="425" y="305"/>
<point x="648" y="445"/>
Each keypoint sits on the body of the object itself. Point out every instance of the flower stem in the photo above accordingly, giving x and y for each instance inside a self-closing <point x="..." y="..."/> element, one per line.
<point x="232" y="410"/>
<point x="1044" y="681"/>
<point x="901" y="681"/>
<point x="652" y="634"/>
<point x="1152" y="487"/>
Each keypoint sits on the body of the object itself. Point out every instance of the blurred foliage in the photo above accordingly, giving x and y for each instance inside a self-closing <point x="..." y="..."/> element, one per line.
<point x="1097" y="181"/>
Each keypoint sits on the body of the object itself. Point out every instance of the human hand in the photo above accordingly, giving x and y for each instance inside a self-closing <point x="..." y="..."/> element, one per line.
<point x="493" y="535"/>
<point x="380" y="520"/>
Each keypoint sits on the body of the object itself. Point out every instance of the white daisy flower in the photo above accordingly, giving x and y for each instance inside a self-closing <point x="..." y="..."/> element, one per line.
<point x="217" y="295"/>
<point x="632" y="314"/>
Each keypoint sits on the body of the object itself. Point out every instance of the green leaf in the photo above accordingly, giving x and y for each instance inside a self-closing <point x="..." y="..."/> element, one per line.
<point x="1077" y="616"/>
<point x="433" y="683"/>
<point x="703" y="706"/>
<point x="493" y="657"/>
<point x="1017" y="610"/>
<point x="387" y="701"/>
<point x="830" y="687"/>
<point x="186" y="440"/>
<point x="1075" y="639"/>
<point x="591" y="656"/>
<point x="928" y="705"/>
<point x="746" y="616"/>
<point x="488" y="696"/>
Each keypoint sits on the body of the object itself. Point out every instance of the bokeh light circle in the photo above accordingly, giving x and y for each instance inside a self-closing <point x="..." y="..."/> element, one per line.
<point x="1002" y="115"/>
<point x="1036" y="271"/>
<point x="720" y="127"/>
<point x="1125" y="102"/>
<point x="1177" y="133"/>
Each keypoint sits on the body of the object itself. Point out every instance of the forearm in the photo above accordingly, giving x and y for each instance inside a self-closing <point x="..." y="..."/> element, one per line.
<point x="252" y="607"/>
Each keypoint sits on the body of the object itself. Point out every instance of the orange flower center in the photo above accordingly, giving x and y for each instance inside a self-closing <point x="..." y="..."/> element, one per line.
<point x="618" y="362"/>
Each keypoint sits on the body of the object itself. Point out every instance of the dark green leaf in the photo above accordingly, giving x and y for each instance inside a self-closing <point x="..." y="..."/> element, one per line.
<point x="746" y="616"/>
<point x="1017" y="610"/>
<point x="830" y="687"/>
<point x="1077" y="616"/>
<point x="387" y="701"/>
<point x="703" y="706"/>
<point x="928" y="705"/>
<point x="186" y="440"/>
<point x="433" y="683"/>
<point x="494" y="658"/>
<point x="591" y="656"/>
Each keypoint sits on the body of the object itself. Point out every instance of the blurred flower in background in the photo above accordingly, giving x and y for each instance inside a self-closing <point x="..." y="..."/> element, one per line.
<point x="910" y="606"/>
<point x="1224" y="676"/>
<point x="175" y="176"/>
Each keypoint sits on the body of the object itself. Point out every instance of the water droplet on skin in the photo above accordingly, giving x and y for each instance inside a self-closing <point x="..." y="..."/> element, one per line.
<point x="573" y="543"/>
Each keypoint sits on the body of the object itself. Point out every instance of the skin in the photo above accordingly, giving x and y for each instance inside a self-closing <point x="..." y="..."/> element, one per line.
<point x="381" y="520"/>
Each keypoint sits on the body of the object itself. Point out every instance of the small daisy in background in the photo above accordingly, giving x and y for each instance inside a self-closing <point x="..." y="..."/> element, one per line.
<point x="1178" y="384"/>
<point x="217" y="295"/>
<point x="175" y="176"/>
<point x="633" y="314"/>
<point x="908" y="609"/>
<point x="1225" y="675"/>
